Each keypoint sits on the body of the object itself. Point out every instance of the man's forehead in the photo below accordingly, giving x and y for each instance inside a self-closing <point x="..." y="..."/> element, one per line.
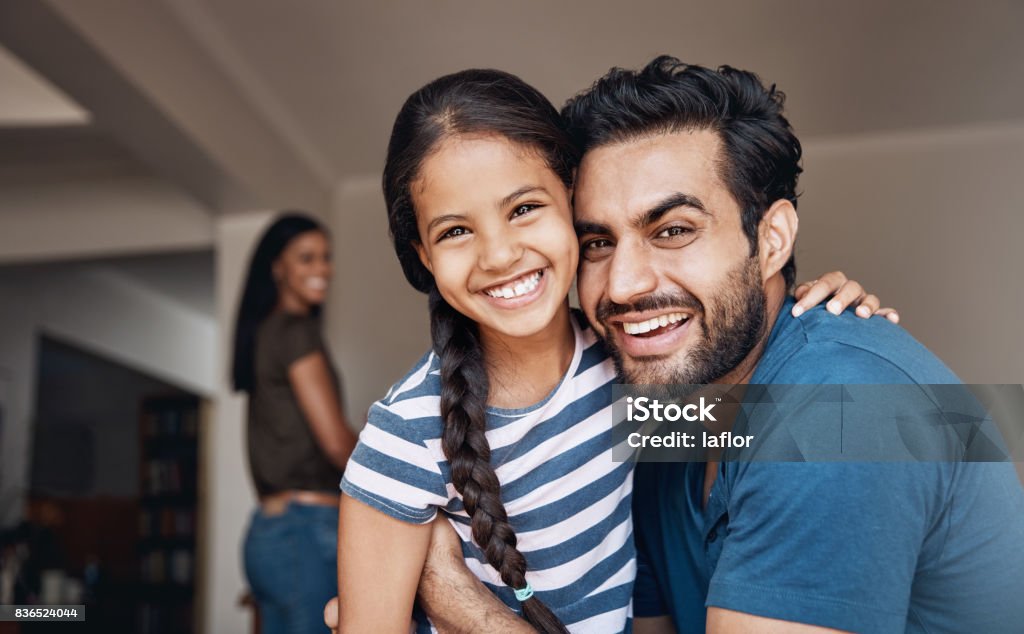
<point x="634" y="174"/>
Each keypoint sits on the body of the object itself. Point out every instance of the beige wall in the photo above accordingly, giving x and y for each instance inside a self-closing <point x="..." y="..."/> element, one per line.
<point x="932" y="222"/>
<point x="377" y="325"/>
<point x="228" y="497"/>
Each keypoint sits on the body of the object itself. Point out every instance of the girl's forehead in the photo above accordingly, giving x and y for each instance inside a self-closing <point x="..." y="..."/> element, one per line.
<point x="476" y="169"/>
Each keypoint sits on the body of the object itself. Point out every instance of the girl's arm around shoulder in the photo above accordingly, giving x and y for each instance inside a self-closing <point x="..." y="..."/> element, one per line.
<point x="380" y="560"/>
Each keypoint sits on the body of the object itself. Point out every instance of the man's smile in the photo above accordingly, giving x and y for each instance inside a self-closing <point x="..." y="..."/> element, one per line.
<point x="646" y="335"/>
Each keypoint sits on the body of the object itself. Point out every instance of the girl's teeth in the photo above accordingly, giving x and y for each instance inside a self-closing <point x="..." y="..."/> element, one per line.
<point x="517" y="288"/>
<point x="654" y="323"/>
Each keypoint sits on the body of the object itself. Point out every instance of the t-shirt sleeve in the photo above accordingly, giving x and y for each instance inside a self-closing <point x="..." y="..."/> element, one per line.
<point x="393" y="469"/>
<point x="828" y="544"/>
<point x="299" y="336"/>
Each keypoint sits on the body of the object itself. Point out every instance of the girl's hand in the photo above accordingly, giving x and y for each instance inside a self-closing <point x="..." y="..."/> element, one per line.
<point x="844" y="293"/>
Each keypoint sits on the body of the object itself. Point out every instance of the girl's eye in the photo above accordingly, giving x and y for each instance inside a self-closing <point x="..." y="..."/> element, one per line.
<point x="522" y="210"/>
<point x="454" y="232"/>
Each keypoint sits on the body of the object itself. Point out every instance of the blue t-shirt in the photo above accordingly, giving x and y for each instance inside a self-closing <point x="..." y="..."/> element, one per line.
<point x="860" y="546"/>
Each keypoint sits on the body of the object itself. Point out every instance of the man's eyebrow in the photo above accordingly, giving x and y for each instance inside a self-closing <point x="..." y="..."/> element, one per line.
<point x="667" y="204"/>
<point x="584" y="227"/>
<point x="525" y="189"/>
<point x="442" y="219"/>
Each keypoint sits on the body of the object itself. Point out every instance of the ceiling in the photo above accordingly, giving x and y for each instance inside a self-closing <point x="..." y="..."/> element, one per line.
<point x="185" y="277"/>
<point x="28" y="99"/>
<point x="303" y="93"/>
<point x="342" y="69"/>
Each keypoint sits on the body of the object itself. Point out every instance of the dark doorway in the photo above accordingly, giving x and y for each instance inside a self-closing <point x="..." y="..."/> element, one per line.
<point x="113" y="493"/>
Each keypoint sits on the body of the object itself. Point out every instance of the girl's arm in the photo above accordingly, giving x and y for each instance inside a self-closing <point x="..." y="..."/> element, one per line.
<point x="844" y="292"/>
<point x="380" y="560"/>
<point x="318" y="398"/>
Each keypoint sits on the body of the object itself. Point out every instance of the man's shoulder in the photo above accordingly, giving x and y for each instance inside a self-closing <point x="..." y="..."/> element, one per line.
<point x="819" y="347"/>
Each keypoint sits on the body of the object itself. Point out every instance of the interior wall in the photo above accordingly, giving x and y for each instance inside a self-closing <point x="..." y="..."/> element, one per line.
<point x="931" y="222"/>
<point x="229" y="498"/>
<point x="18" y="373"/>
<point x="377" y="325"/>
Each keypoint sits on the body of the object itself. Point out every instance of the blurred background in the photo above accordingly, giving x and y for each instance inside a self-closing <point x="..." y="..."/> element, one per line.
<point x="144" y="146"/>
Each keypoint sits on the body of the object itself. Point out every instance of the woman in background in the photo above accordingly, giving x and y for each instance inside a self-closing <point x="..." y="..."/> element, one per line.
<point x="298" y="437"/>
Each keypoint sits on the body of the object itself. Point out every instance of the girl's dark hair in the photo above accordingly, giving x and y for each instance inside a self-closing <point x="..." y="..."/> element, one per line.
<point x="760" y="154"/>
<point x="260" y="294"/>
<point x="468" y="103"/>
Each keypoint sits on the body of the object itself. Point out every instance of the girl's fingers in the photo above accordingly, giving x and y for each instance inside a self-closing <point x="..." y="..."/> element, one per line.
<point x="850" y="294"/>
<point x="802" y="289"/>
<point x="868" y="306"/>
<point x="889" y="313"/>
<point x="818" y="291"/>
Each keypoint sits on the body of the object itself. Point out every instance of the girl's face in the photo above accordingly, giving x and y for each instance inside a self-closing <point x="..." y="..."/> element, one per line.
<point x="495" y="228"/>
<point x="303" y="271"/>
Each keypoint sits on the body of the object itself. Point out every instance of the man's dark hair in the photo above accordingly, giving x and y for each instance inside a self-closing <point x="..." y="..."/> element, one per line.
<point x="760" y="154"/>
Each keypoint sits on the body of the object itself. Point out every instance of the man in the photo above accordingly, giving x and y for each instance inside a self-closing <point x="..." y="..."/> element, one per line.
<point x="686" y="206"/>
<point x="686" y="203"/>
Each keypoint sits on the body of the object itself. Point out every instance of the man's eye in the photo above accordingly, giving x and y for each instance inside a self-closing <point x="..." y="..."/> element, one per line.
<point x="522" y="210"/>
<point x="596" y="248"/>
<point x="454" y="232"/>
<point x="675" y="231"/>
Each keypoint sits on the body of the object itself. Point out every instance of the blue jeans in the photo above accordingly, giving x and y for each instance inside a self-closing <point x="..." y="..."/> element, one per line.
<point x="291" y="564"/>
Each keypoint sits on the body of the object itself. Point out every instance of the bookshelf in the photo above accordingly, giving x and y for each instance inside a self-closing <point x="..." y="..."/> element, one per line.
<point x="168" y="505"/>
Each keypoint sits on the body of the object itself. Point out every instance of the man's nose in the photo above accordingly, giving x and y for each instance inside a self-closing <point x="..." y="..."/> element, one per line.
<point x="630" y="274"/>
<point x="498" y="252"/>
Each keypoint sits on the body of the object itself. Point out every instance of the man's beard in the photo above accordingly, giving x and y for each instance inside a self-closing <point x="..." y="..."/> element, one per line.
<point x="735" y="327"/>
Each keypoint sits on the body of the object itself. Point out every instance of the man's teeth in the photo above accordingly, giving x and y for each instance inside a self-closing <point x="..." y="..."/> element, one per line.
<point x="517" y="288"/>
<point x="653" y="323"/>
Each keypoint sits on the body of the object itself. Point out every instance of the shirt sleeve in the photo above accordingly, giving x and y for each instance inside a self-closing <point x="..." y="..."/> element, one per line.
<point x="393" y="469"/>
<point x="299" y="337"/>
<point x="829" y="544"/>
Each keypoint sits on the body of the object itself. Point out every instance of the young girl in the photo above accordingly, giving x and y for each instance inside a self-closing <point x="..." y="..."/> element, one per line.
<point x="505" y="424"/>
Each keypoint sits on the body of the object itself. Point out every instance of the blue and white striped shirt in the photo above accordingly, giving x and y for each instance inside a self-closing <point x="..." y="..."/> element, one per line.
<point x="567" y="500"/>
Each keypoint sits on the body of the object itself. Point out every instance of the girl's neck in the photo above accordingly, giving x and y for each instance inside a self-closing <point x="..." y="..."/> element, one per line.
<point x="523" y="370"/>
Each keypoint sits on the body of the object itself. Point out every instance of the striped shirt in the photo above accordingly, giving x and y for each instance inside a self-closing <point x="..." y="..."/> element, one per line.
<point x="567" y="500"/>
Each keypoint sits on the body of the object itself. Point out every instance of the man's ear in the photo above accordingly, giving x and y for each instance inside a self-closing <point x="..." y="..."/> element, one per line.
<point x="424" y="257"/>
<point x="777" y="237"/>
